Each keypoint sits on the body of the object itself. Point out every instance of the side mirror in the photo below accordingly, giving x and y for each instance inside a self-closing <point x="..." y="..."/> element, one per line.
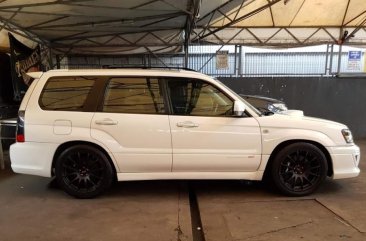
<point x="239" y="108"/>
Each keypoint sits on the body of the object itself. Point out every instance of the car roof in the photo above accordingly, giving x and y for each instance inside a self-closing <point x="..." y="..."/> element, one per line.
<point x="120" y="71"/>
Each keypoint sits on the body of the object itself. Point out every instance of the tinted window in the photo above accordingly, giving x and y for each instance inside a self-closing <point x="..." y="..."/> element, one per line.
<point x="199" y="98"/>
<point x="133" y="95"/>
<point x="66" y="93"/>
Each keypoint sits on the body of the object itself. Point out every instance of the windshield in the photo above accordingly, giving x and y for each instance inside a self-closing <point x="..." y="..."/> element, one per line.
<point x="244" y="101"/>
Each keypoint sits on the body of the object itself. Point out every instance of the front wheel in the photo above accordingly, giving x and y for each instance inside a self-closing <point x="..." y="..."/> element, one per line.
<point x="83" y="171"/>
<point x="299" y="169"/>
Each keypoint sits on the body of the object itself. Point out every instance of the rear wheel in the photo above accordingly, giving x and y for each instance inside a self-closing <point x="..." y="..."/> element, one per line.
<point x="299" y="169"/>
<point x="83" y="171"/>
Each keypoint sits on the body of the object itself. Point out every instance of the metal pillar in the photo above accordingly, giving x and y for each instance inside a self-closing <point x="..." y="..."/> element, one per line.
<point x="241" y="62"/>
<point x="339" y="59"/>
<point x="331" y="59"/>
<point x="50" y="60"/>
<point x="235" y="61"/>
<point x="186" y="55"/>
<point x="58" y="60"/>
<point x="326" y="61"/>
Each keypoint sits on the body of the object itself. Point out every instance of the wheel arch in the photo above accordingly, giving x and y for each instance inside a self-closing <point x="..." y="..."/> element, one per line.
<point x="68" y="144"/>
<point x="283" y="144"/>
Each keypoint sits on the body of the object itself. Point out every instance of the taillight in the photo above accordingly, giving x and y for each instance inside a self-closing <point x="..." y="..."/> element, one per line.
<point x="20" y="138"/>
<point x="20" y="127"/>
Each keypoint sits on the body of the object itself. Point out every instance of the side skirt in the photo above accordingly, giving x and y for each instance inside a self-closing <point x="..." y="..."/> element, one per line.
<point x="257" y="175"/>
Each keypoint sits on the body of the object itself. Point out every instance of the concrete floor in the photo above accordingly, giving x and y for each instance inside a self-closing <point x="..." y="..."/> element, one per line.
<point x="33" y="208"/>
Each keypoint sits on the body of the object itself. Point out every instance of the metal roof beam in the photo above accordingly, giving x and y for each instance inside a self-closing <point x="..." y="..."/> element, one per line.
<point x="193" y="7"/>
<point x="214" y="10"/>
<point x="240" y="7"/>
<point x="297" y="12"/>
<point x="344" y="18"/>
<point x="293" y="36"/>
<point x="6" y="21"/>
<point x="26" y="33"/>
<point x="176" y="7"/>
<point x="41" y="4"/>
<point x="255" y="36"/>
<point x="221" y="48"/>
<point x="144" y="4"/>
<point x="358" y="15"/>
<point x="122" y="21"/>
<point x="159" y="21"/>
<point x="157" y="57"/>
<point x="311" y="35"/>
<point x="10" y="29"/>
<point x="174" y="36"/>
<point x="75" y="36"/>
<point x="70" y="37"/>
<point x="248" y="15"/>
<point x="285" y="26"/>
<point x="352" y="34"/>
<point x="273" y="35"/>
<point x="42" y="13"/>
<point x="272" y="18"/>
<point x="129" y="43"/>
<point x="329" y="34"/>
<point x="46" y="22"/>
<point x="114" y="45"/>
<point x="158" y="38"/>
<point x="213" y="13"/>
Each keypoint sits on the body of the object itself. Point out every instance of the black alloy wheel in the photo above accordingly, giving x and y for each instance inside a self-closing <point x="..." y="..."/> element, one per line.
<point x="299" y="169"/>
<point x="83" y="171"/>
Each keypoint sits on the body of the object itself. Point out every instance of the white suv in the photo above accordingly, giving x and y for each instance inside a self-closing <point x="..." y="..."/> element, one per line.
<point x="90" y="127"/>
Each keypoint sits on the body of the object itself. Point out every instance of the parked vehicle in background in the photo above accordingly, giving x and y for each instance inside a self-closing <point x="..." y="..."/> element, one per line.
<point x="265" y="104"/>
<point x="90" y="127"/>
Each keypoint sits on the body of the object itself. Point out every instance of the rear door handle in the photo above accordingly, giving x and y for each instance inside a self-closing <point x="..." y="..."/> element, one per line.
<point x="108" y="122"/>
<point x="187" y="124"/>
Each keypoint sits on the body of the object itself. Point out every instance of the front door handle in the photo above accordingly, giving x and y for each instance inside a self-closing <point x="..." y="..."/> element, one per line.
<point x="187" y="124"/>
<point x="106" y="121"/>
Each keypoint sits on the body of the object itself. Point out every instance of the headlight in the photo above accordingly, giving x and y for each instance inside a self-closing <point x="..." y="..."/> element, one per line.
<point x="280" y="106"/>
<point x="277" y="107"/>
<point x="272" y="108"/>
<point x="347" y="134"/>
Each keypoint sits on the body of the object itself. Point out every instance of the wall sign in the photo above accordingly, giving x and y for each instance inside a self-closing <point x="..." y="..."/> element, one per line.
<point x="354" y="60"/>
<point x="222" y="61"/>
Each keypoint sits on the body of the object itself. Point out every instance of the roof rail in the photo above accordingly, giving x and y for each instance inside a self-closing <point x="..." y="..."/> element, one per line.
<point x="146" y="67"/>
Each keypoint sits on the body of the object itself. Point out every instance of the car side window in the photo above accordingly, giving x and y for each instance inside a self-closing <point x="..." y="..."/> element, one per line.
<point x="66" y="93"/>
<point x="137" y="95"/>
<point x="198" y="98"/>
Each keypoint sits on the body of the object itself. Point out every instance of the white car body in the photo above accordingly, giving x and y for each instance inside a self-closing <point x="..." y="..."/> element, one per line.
<point x="150" y="146"/>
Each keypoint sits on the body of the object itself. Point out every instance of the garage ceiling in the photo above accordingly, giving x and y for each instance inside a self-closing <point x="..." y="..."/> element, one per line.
<point x="285" y="22"/>
<point x="131" y="26"/>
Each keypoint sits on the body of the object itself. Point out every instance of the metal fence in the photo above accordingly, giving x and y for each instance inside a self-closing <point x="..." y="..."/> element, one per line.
<point x="240" y="62"/>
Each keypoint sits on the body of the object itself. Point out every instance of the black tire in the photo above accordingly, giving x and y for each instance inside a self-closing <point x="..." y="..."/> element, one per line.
<point x="299" y="169"/>
<point x="83" y="171"/>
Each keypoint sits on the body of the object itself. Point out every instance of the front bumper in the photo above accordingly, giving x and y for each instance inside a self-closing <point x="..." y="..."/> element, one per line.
<point x="345" y="160"/>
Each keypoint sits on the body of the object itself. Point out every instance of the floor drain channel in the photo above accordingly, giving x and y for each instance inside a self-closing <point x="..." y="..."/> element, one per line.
<point x="197" y="230"/>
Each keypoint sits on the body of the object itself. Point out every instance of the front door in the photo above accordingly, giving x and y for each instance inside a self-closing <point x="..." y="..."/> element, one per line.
<point x="206" y="137"/>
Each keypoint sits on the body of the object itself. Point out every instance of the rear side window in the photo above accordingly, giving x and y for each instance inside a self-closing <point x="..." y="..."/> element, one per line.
<point x="66" y="93"/>
<point x="138" y="95"/>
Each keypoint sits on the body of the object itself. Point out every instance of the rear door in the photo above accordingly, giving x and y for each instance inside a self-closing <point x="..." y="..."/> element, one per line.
<point x="133" y="123"/>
